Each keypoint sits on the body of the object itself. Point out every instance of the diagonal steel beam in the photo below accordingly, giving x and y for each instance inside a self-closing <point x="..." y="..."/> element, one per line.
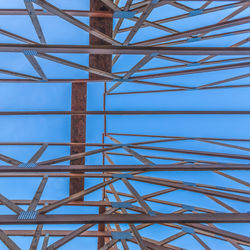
<point x="78" y="66"/>
<point x="56" y="11"/>
<point x="140" y="64"/>
<point x="36" y="237"/>
<point x="183" y="16"/>
<point x="38" y="154"/>
<point x="8" y="242"/>
<point x="75" y="196"/>
<point x="111" y="5"/>
<point x="38" y="194"/>
<point x="36" y="66"/>
<point x="11" y="205"/>
<point x="69" y="237"/>
<point x="194" y="71"/>
<point x="152" y="4"/>
<point x="12" y="73"/>
<point x="197" y="31"/>
<point x="9" y="160"/>
<point x="34" y="20"/>
<point x="77" y="156"/>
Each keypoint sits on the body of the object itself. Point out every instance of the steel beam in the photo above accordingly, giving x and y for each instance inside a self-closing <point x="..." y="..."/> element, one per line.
<point x="41" y="12"/>
<point x="131" y="112"/>
<point x="78" y="132"/>
<point x="105" y="49"/>
<point x="197" y="31"/>
<point x="101" y="61"/>
<point x="119" y="168"/>
<point x="128" y="218"/>
<point x="56" y="233"/>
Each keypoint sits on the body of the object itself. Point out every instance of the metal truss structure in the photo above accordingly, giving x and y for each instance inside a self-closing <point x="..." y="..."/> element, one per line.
<point x="126" y="214"/>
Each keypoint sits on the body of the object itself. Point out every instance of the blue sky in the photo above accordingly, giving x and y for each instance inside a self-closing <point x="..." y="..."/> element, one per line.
<point x="53" y="97"/>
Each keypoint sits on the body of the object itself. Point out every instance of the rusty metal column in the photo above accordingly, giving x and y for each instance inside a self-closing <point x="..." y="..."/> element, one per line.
<point x="102" y="62"/>
<point x="78" y="131"/>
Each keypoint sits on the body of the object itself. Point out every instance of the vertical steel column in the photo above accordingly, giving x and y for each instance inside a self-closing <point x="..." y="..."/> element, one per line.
<point x="78" y="132"/>
<point x="101" y="62"/>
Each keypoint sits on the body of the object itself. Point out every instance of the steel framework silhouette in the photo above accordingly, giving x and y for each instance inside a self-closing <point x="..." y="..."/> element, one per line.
<point x="122" y="215"/>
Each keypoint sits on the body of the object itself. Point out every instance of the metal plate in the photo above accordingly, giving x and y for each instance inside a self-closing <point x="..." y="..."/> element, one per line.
<point x="27" y="165"/>
<point x="189" y="230"/>
<point x="27" y="215"/>
<point x="124" y="14"/>
<point x="121" y="204"/>
<point x="121" y="235"/>
<point x="122" y="175"/>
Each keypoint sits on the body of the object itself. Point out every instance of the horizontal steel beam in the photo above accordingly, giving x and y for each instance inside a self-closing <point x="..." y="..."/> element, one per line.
<point x="106" y="168"/>
<point x="131" y="112"/>
<point x="41" y="12"/>
<point x="72" y="80"/>
<point x="72" y="203"/>
<point x="128" y="218"/>
<point x="110" y="49"/>
<point x="56" y="144"/>
<point x="56" y="233"/>
<point x="208" y="0"/>
<point x="192" y="71"/>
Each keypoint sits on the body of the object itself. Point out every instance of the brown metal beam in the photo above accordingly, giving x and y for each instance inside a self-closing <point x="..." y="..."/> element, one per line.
<point x="194" y="152"/>
<point x="194" y="71"/>
<point x="131" y="112"/>
<point x="105" y="49"/>
<point x="72" y="203"/>
<point x="128" y="218"/>
<point x="41" y="12"/>
<point x="101" y="62"/>
<point x="56" y="233"/>
<point x="118" y="168"/>
<point x="196" y="31"/>
<point x="78" y="131"/>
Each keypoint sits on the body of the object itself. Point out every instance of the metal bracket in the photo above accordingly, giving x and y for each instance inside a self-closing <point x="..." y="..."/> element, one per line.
<point x="27" y="165"/>
<point x="193" y="64"/>
<point x="193" y="39"/>
<point x="30" y="52"/>
<point x="27" y="215"/>
<point x="188" y="230"/>
<point x="187" y="207"/>
<point x="121" y="204"/>
<point x="122" y="176"/>
<point x="151" y="213"/>
<point x="195" y="12"/>
<point x="124" y="14"/>
<point x="121" y="235"/>
<point x="154" y="54"/>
